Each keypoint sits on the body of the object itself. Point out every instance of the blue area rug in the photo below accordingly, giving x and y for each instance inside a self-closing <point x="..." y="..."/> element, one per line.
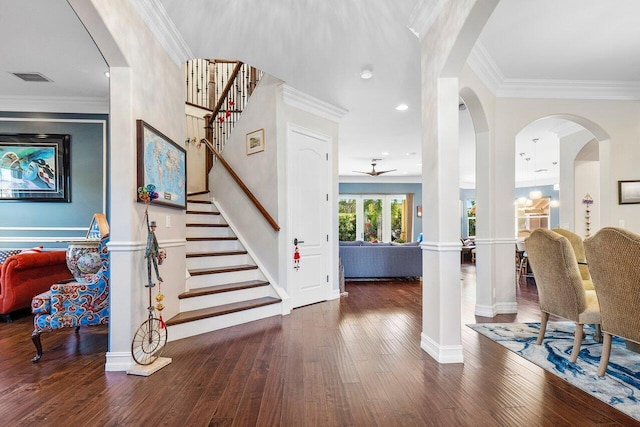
<point x="620" y="387"/>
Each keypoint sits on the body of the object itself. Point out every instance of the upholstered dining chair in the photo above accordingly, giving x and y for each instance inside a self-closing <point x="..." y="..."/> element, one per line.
<point x="614" y="262"/>
<point x="560" y="288"/>
<point x="578" y="249"/>
<point x="73" y="304"/>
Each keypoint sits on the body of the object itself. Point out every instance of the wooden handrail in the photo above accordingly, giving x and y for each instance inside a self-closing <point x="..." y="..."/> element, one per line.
<point x="242" y="185"/>
<point x="225" y="91"/>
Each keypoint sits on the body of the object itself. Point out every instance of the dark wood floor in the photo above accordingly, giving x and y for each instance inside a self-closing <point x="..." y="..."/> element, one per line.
<point x="349" y="362"/>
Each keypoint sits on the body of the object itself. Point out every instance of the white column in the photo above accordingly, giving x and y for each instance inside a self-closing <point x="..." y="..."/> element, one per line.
<point x="441" y="321"/>
<point x="124" y="273"/>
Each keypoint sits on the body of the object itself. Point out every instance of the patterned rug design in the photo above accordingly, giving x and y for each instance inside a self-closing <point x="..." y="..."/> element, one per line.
<point x="620" y="387"/>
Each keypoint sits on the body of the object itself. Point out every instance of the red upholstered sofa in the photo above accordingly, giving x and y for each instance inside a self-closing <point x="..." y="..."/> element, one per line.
<point x="24" y="276"/>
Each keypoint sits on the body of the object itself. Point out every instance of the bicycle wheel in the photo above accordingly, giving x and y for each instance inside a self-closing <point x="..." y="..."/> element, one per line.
<point x="148" y="341"/>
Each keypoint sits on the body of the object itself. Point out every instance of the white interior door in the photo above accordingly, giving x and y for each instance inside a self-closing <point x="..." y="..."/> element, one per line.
<point x="308" y="179"/>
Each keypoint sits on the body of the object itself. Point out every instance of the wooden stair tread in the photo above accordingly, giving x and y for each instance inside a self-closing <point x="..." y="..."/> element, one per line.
<point x="197" y="193"/>
<point x="205" y="313"/>
<point x="202" y="202"/>
<point x="207" y="225"/>
<point x="228" y="287"/>
<point x="204" y="239"/>
<point x="216" y="270"/>
<point x="203" y="213"/>
<point x="218" y="253"/>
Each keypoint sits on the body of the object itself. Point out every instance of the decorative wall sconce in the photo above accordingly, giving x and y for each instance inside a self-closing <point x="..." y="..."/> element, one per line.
<point x="419" y="209"/>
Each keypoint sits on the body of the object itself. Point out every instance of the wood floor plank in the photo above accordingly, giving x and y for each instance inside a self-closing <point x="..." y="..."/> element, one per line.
<point x="347" y="362"/>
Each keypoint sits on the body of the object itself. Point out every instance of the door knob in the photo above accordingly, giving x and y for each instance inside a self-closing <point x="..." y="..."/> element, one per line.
<point x="296" y="241"/>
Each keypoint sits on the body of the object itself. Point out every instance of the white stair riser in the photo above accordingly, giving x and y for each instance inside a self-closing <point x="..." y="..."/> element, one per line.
<point x="205" y="301"/>
<point x="217" y="261"/>
<point x="209" y="232"/>
<point x="210" y="246"/>
<point x="204" y="219"/>
<point x="205" y="280"/>
<point x="201" y="207"/>
<point x="190" y="329"/>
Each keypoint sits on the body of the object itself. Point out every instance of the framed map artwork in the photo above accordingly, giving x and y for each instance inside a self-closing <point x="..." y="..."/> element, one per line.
<point x="162" y="162"/>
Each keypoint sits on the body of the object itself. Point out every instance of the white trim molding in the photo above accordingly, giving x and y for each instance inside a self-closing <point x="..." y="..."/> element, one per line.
<point x="441" y="246"/>
<point x="310" y="104"/>
<point x="441" y="354"/>
<point x="506" y="308"/>
<point x="483" y="65"/>
<point x="423" y="16"/>
<point x="496" y="241"/>
<point x="486" y="310"/>
<point x="155" y="16"/>
<point x="172" y="243"/>
<point x="55" y="104"/>
<point x="115" y="246"/>
<point x="118" y="361"/>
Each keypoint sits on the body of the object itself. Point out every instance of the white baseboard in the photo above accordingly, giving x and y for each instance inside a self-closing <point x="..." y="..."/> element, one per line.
<point x="485" y="310"/>
<point x="441" y="354"/>
<point x="118" y="361"/>
<point x="506" y="308"/>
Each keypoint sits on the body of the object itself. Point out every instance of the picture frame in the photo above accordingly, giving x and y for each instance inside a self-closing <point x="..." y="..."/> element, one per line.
<point x="163" y="163"/>
<point x="628" y="192"/>
<point x="35" y="168"/>
<point x="255" y="141"/>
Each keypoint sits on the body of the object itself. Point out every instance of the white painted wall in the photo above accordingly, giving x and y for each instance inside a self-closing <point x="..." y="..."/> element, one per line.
<point x="570" y="146"/>
<point x="587" y="181"/>
<point x="144" y="84"/>
<point x="196" y="152"/>
<point x="259" y="172"/>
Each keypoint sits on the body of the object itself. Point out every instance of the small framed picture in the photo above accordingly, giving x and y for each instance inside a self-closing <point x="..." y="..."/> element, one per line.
<point x="628" y="192"/>
<point x="255" y="141"/>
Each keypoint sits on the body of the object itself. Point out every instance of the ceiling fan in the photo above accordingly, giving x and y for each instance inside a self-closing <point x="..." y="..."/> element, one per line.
<point x="373" y="171"/>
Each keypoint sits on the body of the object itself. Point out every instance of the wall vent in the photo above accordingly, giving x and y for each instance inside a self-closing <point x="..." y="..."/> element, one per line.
<point x="32" y="77"/>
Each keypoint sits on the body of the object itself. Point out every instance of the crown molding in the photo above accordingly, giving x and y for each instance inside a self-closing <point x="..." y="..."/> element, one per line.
<point x="310" y="104"/>
<point x="423" y="16"/>
<point x="155" y="16"/>
<point x="569" y="89"/>
<point x="483" y="65"/>
<point x="57" y="104"/>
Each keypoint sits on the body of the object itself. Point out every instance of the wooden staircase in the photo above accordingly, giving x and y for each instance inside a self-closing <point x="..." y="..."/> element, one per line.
<point x="226" y="287"/>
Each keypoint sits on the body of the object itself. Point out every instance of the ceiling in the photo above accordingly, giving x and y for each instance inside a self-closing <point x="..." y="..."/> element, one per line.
<point x="320" y="47"/>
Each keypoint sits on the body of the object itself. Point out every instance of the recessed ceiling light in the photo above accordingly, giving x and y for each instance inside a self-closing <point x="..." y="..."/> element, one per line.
<point x="418" y="164"/>
<point x="366" y="74"/>
<point x="402" y="107"/>
<point x="385" y="153"/>
<point x="106" y="73"/>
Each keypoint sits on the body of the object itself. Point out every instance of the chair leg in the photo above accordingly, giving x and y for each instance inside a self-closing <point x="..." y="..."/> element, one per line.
<point x="577" y="342"/>
<point x="606" y="352"/>
<point x="544" y="318"/>
<point x="77" y="329"/>
<point x="597" y="336"/>
<point x="35" y="337"/>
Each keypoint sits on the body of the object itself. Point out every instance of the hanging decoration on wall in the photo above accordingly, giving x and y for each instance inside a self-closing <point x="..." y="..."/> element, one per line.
<point x="150" y="338"/>
<point x="587" y="201"/>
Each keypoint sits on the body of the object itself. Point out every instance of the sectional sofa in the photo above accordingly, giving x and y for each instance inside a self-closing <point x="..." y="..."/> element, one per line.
<point x="380" y="260"/>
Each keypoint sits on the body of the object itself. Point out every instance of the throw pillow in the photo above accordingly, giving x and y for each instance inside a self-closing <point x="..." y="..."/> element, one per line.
<point x="34" y="250"/>
<point x="7" y="253"/>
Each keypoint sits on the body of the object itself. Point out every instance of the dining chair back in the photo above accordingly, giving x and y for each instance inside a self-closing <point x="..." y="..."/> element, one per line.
<point x="560" y="289"/>
<point x="613" y="255"/>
